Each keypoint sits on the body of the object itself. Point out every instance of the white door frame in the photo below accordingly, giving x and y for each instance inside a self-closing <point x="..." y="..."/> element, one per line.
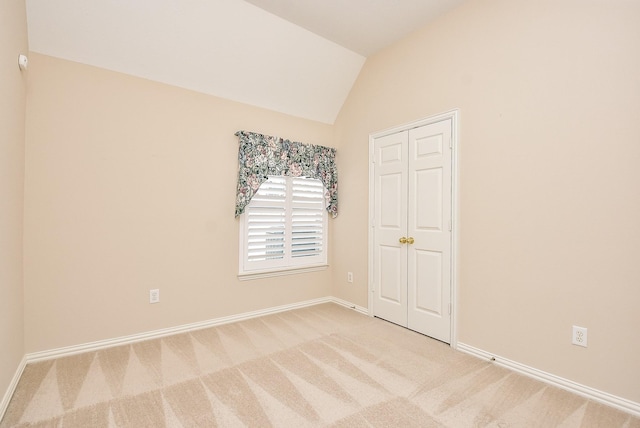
<point x="454" y="115"/>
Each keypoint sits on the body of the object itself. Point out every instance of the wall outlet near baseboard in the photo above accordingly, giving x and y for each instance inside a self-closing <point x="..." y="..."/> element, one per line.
<point x="154" y="295"/>
<point x="349" y="276"/>
<point x="579" y="336"/>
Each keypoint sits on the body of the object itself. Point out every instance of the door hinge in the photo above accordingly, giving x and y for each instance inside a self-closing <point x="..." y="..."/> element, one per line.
<point x="450" y="144"/>
<point x="449" y="225"/>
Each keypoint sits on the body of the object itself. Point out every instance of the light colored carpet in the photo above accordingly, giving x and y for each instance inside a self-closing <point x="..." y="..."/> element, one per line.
<point x="319" y="366"/>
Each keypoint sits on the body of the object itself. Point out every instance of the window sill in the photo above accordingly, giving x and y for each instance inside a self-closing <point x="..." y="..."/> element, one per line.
<point x="247" y="276"/>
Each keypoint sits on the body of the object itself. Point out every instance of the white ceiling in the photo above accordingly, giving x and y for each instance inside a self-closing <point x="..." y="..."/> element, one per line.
<point x="299" y="57"/>
<point x="363" y="26"/>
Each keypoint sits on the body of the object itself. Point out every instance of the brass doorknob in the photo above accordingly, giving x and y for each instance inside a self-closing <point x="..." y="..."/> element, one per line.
<point x="410" y="240"/>
<point x="403" y="240"/>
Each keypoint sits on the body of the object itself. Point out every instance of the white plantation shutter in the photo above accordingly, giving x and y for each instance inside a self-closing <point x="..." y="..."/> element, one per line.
<point x="307" y="218"/>
<point x="284" y="226"/>
<point x="266" y="223"/>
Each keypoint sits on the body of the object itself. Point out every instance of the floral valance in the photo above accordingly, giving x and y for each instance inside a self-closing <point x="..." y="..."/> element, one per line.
<point x="260" y="156"/>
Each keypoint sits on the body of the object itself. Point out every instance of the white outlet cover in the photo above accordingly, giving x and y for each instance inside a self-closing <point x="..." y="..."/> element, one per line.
<point x="154" y="296"/>
<point x="579" y="336"/>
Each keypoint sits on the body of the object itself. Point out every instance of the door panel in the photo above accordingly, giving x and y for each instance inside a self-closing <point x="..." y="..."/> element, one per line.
<point x="429" y="212"/>
<point x="391" y="275"/>
<point x="391" y="214"/>
<point x="430" y="145"/>
<point x="390" y="222"/>
<point x="429" y="209"/>
<point x="428" y="270"/>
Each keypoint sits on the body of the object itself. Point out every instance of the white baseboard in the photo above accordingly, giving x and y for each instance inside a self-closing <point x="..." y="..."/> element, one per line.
<point x="12" y="387"/>
<point x="124" y="340"/>
<point x="350" y="305"/>
<point x="566" y="384"/>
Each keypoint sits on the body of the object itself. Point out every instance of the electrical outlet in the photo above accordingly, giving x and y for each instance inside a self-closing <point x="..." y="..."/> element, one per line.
<point x="579" y="336"/>
<point x="154" y="295"/>
<point x="349" y="276"/>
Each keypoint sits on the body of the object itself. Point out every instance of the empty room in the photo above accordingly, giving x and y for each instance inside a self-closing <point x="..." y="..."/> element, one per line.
<point x="363" y="213"/>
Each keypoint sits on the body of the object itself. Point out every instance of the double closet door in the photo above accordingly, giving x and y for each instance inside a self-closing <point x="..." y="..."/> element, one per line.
<point x="411" y="252"/>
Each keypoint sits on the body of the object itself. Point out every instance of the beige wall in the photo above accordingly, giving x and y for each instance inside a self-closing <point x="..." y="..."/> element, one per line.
<point x="549" y="96"/>
<point x="13" y="41"/>
<point x="129" y="186"/>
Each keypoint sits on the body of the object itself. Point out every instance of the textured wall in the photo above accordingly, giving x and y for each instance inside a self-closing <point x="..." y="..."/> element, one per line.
<point x="129" y="186"/>
<point x="13" y="41"/>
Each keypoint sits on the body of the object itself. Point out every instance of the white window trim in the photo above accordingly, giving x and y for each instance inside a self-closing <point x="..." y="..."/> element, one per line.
<point x="246" y="276"/>
<point x="296" y="267"/>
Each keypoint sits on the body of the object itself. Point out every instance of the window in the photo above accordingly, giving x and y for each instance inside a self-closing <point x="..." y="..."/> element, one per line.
<point x="284" y="227"/>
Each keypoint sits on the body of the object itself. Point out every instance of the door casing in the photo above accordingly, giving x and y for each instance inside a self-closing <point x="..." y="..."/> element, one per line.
<point x="455" y="124"/>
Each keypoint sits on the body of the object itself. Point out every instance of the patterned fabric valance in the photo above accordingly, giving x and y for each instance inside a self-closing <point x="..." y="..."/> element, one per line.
<point x="262" y="155"/>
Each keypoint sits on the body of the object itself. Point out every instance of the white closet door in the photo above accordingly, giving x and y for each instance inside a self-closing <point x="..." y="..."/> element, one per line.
<point x="390" y="222"/>
<point x="429" y="214"/>
<point x="412" y="237"/>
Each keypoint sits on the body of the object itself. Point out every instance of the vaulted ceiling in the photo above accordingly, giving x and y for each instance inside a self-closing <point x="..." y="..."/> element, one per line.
<point x="299" y="57"/>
